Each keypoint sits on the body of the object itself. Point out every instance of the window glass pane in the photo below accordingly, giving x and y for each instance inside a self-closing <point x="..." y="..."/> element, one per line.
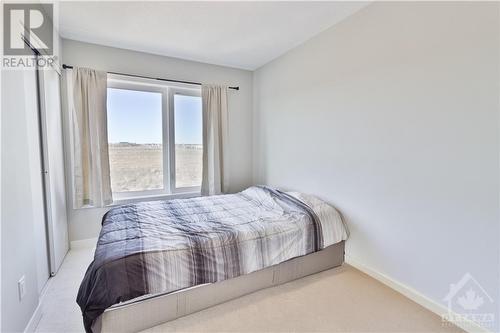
<point x="135" y="140"/>
<point x="188" y="140"/>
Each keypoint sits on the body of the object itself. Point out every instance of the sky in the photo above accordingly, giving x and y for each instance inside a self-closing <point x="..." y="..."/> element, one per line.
<point x="135" y="116"/>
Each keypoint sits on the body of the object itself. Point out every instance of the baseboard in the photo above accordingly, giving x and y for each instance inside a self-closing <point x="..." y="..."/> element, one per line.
<point x="37" y="314"/>
<point x="34" y="320"/>
<point x="431" y="305"/>
<point x="83" y="243"/>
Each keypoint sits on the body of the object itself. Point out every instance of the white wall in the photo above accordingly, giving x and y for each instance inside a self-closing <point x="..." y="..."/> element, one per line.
<point x="85" y="223"/>
<point x="393" y="116"/>
<point x="23" y="228"/>
<point x="22" y="210"/>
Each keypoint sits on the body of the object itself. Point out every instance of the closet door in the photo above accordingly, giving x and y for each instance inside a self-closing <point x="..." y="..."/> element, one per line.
<point x="35" y="165"/>
<point x="50" y="102"/>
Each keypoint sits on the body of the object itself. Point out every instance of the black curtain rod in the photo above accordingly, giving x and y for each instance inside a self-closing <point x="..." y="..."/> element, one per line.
<point x="152" y="78"/>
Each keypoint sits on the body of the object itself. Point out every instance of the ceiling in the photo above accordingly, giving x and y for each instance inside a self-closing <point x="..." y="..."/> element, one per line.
<point x="244" y="35"/>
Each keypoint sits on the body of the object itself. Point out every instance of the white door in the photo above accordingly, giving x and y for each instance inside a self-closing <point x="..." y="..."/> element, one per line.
<point x="50" y="101"/>
<point x="36" y="176"/>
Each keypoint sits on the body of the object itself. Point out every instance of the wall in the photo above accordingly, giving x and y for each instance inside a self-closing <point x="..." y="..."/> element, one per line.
<point x="19" y="203"/>
<point x="392" y="116"/>
<point x="85" y="223"/>
<point x="23" y="227"/>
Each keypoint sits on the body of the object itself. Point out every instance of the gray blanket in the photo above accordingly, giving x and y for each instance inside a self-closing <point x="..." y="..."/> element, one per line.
<point x="162" y="246"/>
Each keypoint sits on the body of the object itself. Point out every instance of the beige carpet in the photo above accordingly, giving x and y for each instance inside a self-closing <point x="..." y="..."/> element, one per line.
<point x="338" y="300"/>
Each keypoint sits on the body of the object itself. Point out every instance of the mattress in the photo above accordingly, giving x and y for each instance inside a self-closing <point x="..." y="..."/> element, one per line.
<point x="159" y="247"/>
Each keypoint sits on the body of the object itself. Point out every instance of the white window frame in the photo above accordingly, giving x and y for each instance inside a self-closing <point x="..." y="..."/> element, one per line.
<point x="168" y="134"/>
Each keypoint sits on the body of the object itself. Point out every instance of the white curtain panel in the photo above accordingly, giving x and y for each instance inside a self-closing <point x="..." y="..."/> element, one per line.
<point x="87" y="92"/>
<point x="215" y="178"/>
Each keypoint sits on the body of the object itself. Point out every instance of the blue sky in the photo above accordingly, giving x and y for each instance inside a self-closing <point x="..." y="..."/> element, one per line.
<point x="135" y="116"/>
<point x="188" y="120"/>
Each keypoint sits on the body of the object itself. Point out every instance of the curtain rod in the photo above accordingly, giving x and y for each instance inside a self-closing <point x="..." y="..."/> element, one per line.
<point x="152" y="78"/>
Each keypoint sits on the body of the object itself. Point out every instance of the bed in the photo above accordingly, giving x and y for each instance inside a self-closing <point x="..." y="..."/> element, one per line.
<point x="156" y="261"/>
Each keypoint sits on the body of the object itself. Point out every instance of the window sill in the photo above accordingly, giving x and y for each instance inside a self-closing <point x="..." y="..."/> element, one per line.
<point x="183" y="195"/>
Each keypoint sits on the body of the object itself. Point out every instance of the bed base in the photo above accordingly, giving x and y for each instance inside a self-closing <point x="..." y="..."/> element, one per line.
<point x="149" y="312"/>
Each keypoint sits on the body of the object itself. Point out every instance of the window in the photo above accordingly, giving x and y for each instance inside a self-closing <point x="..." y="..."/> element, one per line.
<point x="187" y="160"/>
<point x="155" y="138"/>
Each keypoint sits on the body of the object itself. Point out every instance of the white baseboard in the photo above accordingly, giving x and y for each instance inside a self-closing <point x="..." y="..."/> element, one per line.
<point x="83" y="243"/>
<point x="34" y="320"/>
<point x="431" y="305"/>
<point x="38" y="314"/>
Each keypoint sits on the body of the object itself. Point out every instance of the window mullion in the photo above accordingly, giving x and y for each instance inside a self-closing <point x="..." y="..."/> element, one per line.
<point x="166" y="141"/>
<point x="171" y="131"/>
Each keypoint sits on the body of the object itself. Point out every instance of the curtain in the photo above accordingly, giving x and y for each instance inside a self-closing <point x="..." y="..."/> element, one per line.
<point x="87" y="91"/>
<point x="215" y="140"/>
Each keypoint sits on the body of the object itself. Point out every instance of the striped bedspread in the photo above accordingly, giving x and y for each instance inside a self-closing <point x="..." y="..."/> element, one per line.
<point x="163" y="246"/>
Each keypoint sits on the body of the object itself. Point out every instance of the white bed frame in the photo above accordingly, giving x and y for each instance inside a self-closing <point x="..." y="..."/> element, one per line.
<point x="155" y="310"/>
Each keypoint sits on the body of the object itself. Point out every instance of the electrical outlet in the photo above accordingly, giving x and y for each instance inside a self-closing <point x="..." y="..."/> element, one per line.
<point x="21" y="287"/>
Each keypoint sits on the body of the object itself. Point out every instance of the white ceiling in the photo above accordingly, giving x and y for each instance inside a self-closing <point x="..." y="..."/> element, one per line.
<point x="237" y="34"/>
